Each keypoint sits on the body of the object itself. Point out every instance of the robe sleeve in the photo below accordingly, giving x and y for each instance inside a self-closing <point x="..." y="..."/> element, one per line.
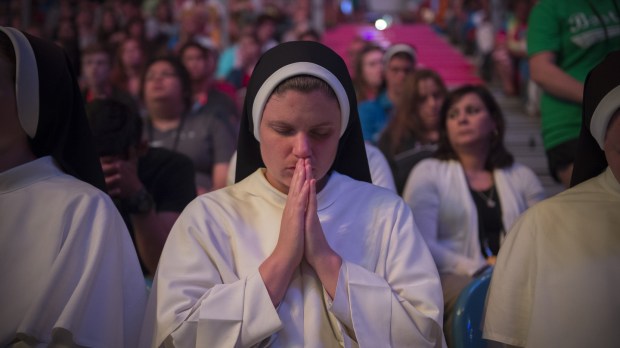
<point x="95" y="293"/>
<point x="197" y="299"/>
<point x="422" y="194"/>
<point x="399" y="306"/>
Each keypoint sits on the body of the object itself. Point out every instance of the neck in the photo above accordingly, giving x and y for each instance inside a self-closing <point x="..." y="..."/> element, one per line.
<point x="101" y="90"/>
<point x="16" y="156"/>
<point x="164" y="116"/>
<point x="393" y="96"/>
<point x="431" y="136"/>
<point x="477" y="176"/>
<point x="200" y="87"/>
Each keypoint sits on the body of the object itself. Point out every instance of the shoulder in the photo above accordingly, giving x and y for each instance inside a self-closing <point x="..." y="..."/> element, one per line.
<point x="435" y="167"/>
<point x="160" y="155"/>
<point x="518" y="170"/>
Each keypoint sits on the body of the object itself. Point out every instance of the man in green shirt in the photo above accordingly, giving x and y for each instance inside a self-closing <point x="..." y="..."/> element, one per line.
<point x="567" y="38"/>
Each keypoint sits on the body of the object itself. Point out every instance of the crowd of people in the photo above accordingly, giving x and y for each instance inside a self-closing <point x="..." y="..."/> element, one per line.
<point x="162" y="185"/>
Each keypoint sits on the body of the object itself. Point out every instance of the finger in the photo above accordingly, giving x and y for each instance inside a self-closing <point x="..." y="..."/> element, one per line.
<point x="298" y="179"/>
<point x="308" y="168"/>
<point x="312" y="204"/>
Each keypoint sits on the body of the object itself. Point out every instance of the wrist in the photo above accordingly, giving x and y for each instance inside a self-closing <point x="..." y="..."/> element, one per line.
<point x="140" y="203"/>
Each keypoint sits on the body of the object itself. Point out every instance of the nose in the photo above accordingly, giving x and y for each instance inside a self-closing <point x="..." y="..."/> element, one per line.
<point x="301" y="148"/>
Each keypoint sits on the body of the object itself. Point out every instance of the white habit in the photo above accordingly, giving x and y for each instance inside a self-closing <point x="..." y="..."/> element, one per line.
<point x="67" y="263"/>
<point x="557" y="278"/>
<point x="208" y="291"/>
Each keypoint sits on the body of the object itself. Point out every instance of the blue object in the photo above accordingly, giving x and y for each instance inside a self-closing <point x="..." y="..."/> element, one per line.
<point x="468" y="312"/>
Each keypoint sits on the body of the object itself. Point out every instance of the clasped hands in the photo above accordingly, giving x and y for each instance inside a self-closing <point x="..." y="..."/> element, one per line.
<point x="301" y="233"/>
<point x="301" y="238"/>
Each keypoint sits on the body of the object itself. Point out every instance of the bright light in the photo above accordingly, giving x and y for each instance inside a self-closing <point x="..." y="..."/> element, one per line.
<point x="380" y="24"/>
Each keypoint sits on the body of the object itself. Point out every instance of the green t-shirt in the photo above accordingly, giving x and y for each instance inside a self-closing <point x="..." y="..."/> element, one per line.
<point x="572" y="29"/>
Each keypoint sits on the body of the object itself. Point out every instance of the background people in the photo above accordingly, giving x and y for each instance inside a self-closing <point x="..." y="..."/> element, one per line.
<point x="465" y="198"/>
<point x="566" y="40"/>
<point x="208" y="139"/>
<point x="150" y="186"/>
<point x="412" y="134"/>
<point x="399" y="61"/>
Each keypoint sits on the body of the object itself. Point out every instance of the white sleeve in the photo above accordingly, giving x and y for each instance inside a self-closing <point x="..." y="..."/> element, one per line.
<point x="403" y="307"/>
<point x="380" y="171"/>
<point x="197" y="300"/>
<point x="95" y="293"/>
<point x="422" y="194"/>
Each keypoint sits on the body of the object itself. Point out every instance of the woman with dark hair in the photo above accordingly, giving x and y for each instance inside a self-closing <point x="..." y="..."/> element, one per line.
<point x="413" y="132"/>
<point x="465" y="198"/>
<point x="302" y="250"/>
<point x="207" y="138"/>
<point x="70" y="275"/>
<point x="128" y="66"/>
<point x="368" y="72"/>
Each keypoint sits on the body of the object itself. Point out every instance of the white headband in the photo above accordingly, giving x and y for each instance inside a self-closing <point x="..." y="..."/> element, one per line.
<point x="26" y="81"/>
<point x="603" y="113"/>
<point x="294" y="69"/>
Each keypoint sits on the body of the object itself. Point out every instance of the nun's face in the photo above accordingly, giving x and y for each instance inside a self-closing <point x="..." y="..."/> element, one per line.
<point x="299" y="125"/>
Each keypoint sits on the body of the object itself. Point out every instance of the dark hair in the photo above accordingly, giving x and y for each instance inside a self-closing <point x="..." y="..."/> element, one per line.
<point x="310" y="32"/>
<point x="114" y="126"/>
<point x="406" y="122"/>
<point x="304" y="84"/>
<point x="359" y="83"/>
<point x="8" y="52"/>
<point x="95" y="48"/>
<point x="182" y="74"/>
<point x="193" y="44"/>
<point x="498" y="156"/>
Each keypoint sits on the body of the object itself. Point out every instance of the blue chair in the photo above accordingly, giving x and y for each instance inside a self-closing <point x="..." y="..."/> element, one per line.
<point x="468" y="312"/>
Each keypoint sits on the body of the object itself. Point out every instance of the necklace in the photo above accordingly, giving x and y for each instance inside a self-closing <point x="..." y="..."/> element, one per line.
<point x="488" y="199"/>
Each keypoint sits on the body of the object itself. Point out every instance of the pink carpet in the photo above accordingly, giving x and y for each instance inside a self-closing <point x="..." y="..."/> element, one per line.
<point x="433" y="51"/>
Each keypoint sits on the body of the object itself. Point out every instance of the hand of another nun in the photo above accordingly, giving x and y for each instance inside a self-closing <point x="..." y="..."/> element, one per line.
<point x="121" y="177"/>
<point x="317" y="252"/>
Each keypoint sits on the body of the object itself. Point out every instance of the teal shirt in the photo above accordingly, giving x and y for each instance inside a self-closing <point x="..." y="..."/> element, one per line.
<point x="573" y="30"/>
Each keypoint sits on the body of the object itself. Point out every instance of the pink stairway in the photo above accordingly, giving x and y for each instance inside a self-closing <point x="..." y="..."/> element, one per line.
<point x="433" y="51"/>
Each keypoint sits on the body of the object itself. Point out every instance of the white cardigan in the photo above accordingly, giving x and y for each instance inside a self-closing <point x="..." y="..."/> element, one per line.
<point x="439" y="196"/>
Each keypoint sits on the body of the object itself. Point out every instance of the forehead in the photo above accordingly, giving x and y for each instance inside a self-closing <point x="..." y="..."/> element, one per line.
<point x="427" y="86"/>
<point x="161" y="65"/>
<point x="304" y="108"/>
<point x="97" y="56"/>
<point x="193" y="52"/>
<point x="399" y="61"/>
<point x="468" y="99"/>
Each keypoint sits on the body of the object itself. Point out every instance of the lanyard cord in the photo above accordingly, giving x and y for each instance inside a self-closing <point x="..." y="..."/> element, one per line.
<point x="177" y="134"/>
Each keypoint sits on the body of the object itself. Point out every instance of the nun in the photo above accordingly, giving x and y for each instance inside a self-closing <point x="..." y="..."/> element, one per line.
<point x="302" y="251"/>
<point x="70" y="275"/>
<point x="557" y="277"/>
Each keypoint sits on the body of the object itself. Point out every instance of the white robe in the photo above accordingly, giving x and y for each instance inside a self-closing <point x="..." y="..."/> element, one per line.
<point x="67" y="262"/>
<point x="557" y="278"/>
<point x="208" y="291"/>
<point x="438" y="193"/>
